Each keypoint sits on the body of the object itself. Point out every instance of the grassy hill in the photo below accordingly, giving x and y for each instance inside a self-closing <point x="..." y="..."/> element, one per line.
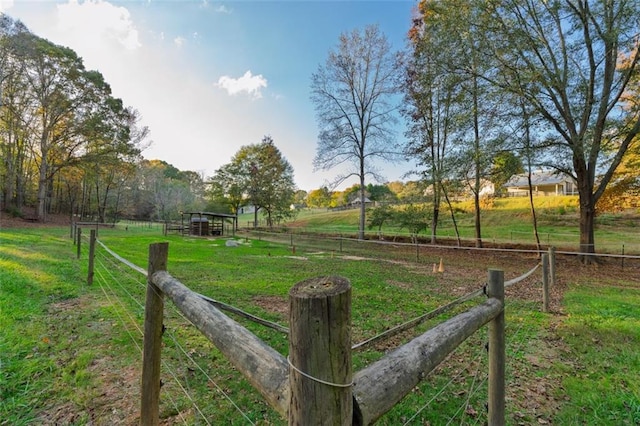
<point x="504" y="220"/>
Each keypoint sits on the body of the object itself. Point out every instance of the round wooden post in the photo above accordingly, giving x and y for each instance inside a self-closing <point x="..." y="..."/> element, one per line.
<point x="320" y="352"/>
<point x="545" y="282"/>
<point x="153" y="317"/>
<point x="497" y="353"/>
<point x="92" y="254"/>
<point x="552" y="266"/>
<point x="78" y="239"/>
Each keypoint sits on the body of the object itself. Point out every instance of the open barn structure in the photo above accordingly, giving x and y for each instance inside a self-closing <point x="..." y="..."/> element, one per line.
<point x="205" y="223"/>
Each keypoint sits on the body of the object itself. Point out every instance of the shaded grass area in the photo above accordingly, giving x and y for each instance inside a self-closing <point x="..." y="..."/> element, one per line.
<point x="70" y="353"/>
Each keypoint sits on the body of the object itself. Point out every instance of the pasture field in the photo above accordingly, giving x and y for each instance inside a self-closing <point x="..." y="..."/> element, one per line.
<point x="505" y="221"/>
<point x="70" y="353"/>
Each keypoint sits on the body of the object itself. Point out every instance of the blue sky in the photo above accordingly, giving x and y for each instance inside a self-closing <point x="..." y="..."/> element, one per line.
<point x="209" y="77"/>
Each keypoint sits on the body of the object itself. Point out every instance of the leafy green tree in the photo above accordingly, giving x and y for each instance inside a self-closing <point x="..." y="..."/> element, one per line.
<point x="54" y="115"/>
<point x="319" y="198"/>
<point x="228" y="187"/>
<point x="378" y="216"/>
<point x="505" y="165"/>
<point x="573" y="63"/>
<point x="380" y="193"/>
<point x="260" y="175"/>
<point x="414" y="218"/>
<point x="278" y="188"/>
<point x="457" y="115"/>
<point x="352" y="94"/>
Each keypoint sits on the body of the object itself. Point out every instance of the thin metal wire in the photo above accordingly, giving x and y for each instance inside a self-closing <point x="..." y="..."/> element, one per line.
<point x="171" y="372"/>
<point x="216" y="303"/>
<point x="186" y="354"/>
<point x="99" y="274"/>
<point x="470" y="393"/>
<point x="454" y="378"/>
<point x="315" y="379"/>
<point x="438" y="311"/>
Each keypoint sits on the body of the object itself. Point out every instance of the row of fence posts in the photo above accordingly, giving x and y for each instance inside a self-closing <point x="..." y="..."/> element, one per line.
<point x="315" y="383"/>
<point x="327" y="299"/>
<point x="76" y="235"/>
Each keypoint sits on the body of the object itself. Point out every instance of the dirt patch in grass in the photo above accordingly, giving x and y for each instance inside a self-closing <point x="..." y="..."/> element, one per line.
<point x="275" y="304"/>
<point x="112" y="394"/>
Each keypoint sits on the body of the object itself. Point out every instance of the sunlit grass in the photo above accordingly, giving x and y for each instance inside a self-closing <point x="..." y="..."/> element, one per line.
<point x="603" y="334"/>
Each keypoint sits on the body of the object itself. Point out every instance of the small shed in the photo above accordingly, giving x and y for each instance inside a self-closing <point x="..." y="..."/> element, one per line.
<point x="199" y="226"/>
<point x="208" y="223"/>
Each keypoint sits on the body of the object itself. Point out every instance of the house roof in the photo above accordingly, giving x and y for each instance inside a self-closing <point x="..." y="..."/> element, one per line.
<point x="538" y="179"/>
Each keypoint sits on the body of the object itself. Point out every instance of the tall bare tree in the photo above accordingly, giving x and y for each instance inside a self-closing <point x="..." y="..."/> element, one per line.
<point x="352" y="93"/>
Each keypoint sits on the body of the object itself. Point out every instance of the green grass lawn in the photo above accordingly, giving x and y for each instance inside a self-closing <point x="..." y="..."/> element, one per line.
<point x="70" y="354"/>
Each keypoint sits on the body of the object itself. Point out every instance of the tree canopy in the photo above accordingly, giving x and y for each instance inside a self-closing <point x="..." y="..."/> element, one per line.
<point x="352" y="93"/>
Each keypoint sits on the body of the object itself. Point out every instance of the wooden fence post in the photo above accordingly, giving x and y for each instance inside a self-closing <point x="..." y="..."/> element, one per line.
<point x="320" y="352"/>
<point x="92" y="254"/>
<point x="552" y="266"/>
<point x="153" y="318"/>
<point x="78" y="239"/>
<point x="545" y="282"/>
<point x="497" y="353"/>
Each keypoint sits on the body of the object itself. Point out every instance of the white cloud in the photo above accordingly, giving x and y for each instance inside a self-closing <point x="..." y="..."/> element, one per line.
<point x="248" y="83"/>
<point x="95" y="20"/>
<point x="5" y="4"/>
<point x="223" y="9"/>
<point x="179" y="41"/>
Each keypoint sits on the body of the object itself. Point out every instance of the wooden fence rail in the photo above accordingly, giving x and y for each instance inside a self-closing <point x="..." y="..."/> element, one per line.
<point x="315" y="385"/>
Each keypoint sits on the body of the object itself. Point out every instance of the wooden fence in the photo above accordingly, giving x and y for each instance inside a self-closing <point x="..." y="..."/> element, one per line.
<point x="315" y="384"/>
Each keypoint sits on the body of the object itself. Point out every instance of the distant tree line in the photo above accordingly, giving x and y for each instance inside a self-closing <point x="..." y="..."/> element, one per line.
<point x="488" y="89"/>
<point x="69" y="147"/>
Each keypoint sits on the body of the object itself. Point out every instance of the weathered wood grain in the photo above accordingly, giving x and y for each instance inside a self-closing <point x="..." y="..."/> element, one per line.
<point x="320" y="347"/>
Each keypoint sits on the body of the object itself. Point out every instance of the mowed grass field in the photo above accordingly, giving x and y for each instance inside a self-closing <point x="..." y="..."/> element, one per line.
<point x="70" y="353"/>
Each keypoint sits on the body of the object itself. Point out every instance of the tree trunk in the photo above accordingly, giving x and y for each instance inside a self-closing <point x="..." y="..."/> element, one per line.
<point x="42" y="188"/>
<point x="477" y="154"/>
<point x="533" y="212"/>
<point x="476" y="203"/>
<point x="587" y="224"/>
<point x="436" y="213"/>
<point x="453" y="215"/>
<point x="362" y="209"/>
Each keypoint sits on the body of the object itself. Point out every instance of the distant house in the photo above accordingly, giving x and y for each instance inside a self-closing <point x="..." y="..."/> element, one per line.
<point x="542" y="183"/>
<point x="356" y="202"/>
